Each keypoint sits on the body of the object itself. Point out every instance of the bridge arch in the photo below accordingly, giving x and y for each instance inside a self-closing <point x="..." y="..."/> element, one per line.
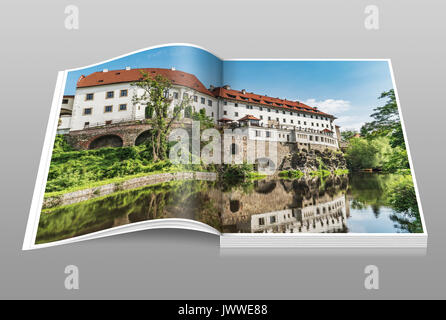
<point x="143" y="137"/>
<point x="108" y="140"/>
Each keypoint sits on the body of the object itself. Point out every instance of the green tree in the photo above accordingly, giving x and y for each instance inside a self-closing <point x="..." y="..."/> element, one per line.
<point x="386" y="121"/>
<point x="361" y="154"/>
<point x="385" y="117"/>
<point x="156" y="101"/>
<point x="205" y="121"/>
<point x="348" y="134"/>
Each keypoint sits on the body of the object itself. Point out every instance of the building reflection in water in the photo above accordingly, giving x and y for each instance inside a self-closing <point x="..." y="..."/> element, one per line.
<point x="294" y="208"/>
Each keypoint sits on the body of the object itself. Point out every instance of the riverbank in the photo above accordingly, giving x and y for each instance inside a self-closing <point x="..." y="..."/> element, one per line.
<point x="67" y="198"/>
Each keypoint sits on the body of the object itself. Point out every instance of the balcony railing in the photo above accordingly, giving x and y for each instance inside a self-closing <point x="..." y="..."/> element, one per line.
<point x="113" y="122"/>
<point x="277" y="126"/>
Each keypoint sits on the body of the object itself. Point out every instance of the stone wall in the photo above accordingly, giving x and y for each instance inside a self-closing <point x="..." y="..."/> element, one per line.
<point x="90" y="193"/>
<point x="127" y="132"/>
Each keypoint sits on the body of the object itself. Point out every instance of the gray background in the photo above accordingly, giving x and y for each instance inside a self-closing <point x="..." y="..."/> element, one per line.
<point x="181" y="264"/>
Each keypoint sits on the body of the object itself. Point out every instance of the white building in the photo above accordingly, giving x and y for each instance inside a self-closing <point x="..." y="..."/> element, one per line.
<point x="65" y="115"/>
<point x="105" y="97"/>
<point x="321" y="217"/>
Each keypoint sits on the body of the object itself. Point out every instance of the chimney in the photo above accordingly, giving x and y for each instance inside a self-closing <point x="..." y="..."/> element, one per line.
<point x="127" y="68"/>
<point x="211" y="87"/>
<point x="243" y="91"/>
<point x="173" y="69"/>
<point x="227" y="87"/>
<point x="105" y="70"/>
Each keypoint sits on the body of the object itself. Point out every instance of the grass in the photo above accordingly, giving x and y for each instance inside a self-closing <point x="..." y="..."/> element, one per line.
<point x="295" y="174"/>
<point x="117" y="180"/>
<point x="254" y="175"/>
<point x="322" y="173"/>
<point x="340" y="172"/>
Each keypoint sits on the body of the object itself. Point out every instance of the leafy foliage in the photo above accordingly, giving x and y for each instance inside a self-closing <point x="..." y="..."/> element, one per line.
<point x="360" y="154"/>
<point x="381" y="145"/>
<point x="348" y="134"/>
<point x="78" y="168"/>
<point x="205" y="121"/>
<point x="156" y="101"/>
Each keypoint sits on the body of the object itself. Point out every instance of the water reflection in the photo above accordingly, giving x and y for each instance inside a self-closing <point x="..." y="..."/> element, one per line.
<point x="335" y="204"/>
<point x="287" y="206"/>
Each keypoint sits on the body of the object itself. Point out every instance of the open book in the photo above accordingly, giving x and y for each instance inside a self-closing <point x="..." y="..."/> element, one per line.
<point x="262" y="153"/>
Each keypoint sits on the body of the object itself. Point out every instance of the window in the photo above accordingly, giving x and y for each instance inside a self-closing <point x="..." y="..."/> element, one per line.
<point x="225" y="113"/>
<point x="277" y="111"/>
<point x="277" y="119"/>
<point x="123" y="93"/>
<point x="89" y="96"/>
<point x="64" y="101"/>
<point x="203" y="100"/>
<point x="312" y="124"/>
<point x="233" y="148"/>
<point x="317" y="124"/>
<point x="235" y="104"/>
<point x="269" y="118"/>
<point x="87" y="111"/>
<point x="261" y="117"/>
<point x="269" y="110"/>
<point x="109" y="94"/>
<point x="291" y="113"/>
<point x="284" y="120"/>
<point x="292" y="121"/>
<point x="268" y="134"/>
<point x="86" y="124"/>
<point x="195" y="98"/>
<point x="261" y="221"/>
<point x="122" y="107"/>
<point x="298" y="122"/>
<point x="260" y="108"/>
<point x="283" y="111"/>
<point x="305" y="123"/>
<point x="247" y="107"/>
<point x="108" y="108"/>
<point x="210" y="103"/>
<point x="272" y="219"/>
<point x="175" y="95"/>
<point x="258" y="133"/>
<point x="225" y="103"/>
<point x="212" y="114"/>
<point x="185" y="96"/>
<point x="108" y="122"/>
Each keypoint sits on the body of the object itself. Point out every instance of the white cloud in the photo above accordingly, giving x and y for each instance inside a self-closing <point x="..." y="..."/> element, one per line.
<point x="330" y="106"/>
<point x="342" y="109"/>
<point x="350" y="122"/>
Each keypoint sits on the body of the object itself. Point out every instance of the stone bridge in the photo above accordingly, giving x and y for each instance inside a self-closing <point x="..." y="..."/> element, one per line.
<point x="112" y="135"/>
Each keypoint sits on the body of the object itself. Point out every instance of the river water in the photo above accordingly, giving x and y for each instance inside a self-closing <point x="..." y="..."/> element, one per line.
<point x="349" y="204"/>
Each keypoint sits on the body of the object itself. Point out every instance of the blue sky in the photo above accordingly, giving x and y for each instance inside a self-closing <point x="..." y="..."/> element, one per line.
<point x="347" y="89"/>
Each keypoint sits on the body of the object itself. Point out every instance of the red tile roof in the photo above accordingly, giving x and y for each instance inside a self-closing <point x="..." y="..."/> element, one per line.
<point x="247" y="97"/>
<point x="248" y="117"/>
<point x="121" y="76"/>
<point x="225" y="120"/>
